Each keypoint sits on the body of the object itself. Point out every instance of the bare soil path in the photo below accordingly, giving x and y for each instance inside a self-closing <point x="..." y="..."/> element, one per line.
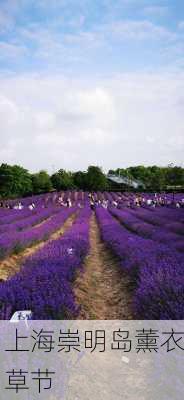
<point x="102" y="291"/>
<point x="10" y="265"/>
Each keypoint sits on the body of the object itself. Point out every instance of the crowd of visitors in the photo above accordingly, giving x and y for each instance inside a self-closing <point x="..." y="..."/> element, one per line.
<point x="17" y="206"/>
<point x="64" y="203"/>
<point x="138" y="200"/>
<point x="157" y="201"/>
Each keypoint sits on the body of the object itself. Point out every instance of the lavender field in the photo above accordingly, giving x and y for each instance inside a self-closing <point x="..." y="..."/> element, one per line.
<point x="100" y="255"/>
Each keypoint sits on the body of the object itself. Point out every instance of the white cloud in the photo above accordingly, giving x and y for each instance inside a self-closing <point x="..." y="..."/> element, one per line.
<point x="12" y="51"/>
<point x="52" y="48"/>
<point x="141" y="30"/>
<point x="130" y="119"/>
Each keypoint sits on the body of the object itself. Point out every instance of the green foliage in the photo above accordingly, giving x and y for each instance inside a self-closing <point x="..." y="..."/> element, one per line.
<point x="62" y="180"/>
<point x="96" y="180"/>
<point x="93" y="179"/>
<point x="15" y="181"/>
<point x="80" y="180"/>
<point x="41" y="182"/>
<point x="154" y="178"/>
<point x="175" y="175"/>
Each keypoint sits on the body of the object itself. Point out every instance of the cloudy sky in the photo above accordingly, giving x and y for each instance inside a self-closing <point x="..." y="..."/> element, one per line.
<point x="91" y="82"/>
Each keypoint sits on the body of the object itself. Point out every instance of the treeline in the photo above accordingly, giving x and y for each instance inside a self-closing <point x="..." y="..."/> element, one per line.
<point x="154" y="178"/>
<point x="16" y="181"/>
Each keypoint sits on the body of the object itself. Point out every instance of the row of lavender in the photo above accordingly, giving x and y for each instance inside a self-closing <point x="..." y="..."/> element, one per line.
<point x="156" y="269"/>
<point x="168" y="233"/>
<point x="44" y="283"/>
<point x="31" y="219"/>
<point x="16" y="241"/>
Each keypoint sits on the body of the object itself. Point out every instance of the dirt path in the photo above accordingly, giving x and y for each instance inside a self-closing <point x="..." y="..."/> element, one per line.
<point x="103" y="291"/>
<point x="12" y="264"/>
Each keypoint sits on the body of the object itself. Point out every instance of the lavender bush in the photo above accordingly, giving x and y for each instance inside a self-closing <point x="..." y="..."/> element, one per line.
<point x="162" y="235"/>
<point x="44" y="281"/>
<point x="35" y="218"/>
<point x="155" y="268"/>
<point x="13" y="242"/>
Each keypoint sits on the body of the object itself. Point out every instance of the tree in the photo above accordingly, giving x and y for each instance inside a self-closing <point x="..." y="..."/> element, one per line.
<point x="96" y="180"/>
<point x="175" y="175"/>
<point x="156" y="178"/>
<point x="62" y="180"/>
<point x="139" y="172"/>
<point x="80" y="180"/>
<point x="15" y="181"/>
<point x="41" y="182"/>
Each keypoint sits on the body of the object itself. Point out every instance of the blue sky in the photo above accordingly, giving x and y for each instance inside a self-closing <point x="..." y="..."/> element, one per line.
<point x="88" y="36"/>
<point x="98" y="72"/>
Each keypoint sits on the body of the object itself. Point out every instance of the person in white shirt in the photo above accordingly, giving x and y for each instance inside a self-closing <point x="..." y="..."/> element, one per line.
<point x="149" y="202"/>
<point x="31" y="206"/>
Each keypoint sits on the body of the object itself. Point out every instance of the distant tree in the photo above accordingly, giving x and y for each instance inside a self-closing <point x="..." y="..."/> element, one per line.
<point x="62" y="180"/>
<point x="96" y="180"/>
<point x="139" y="172"/>
<point x="175" y="175"/>
<point x="80" y="180"/>
<point x="41" y="182"/>
<point x="156" y="178"/>
<point x="15" y="181"/>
